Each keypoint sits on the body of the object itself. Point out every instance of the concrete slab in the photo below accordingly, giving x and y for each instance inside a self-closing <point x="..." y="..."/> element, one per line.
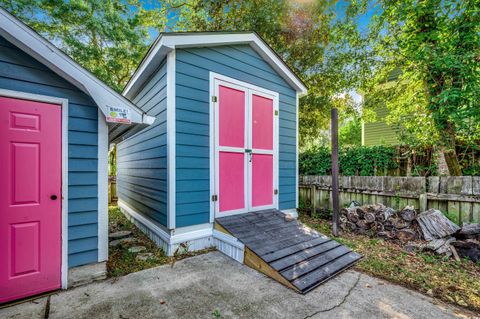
<point x="198" y="286"/>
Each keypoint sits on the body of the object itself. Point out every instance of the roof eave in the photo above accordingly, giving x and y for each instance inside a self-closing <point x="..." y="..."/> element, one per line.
<point x="167" y="42"/>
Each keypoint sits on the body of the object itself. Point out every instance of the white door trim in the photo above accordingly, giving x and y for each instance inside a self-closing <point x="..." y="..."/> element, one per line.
<point x="240" y="150"/>
<point x="249" y="89"/>
<point x="64" y="104"/>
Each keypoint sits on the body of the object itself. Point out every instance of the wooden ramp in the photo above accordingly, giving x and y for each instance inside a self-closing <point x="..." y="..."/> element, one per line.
<point x="288" y="251"/>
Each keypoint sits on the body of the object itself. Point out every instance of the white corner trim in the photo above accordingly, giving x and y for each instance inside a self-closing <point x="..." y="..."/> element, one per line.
<point x="102" y="174"/>
<point x="171" y="146"/>
<point x="64" y="104"/>
<point x="171" y="41"/>
<point x="297" y="168"/>
<point x="212" y="143"/>
<point x="35" y="45"/>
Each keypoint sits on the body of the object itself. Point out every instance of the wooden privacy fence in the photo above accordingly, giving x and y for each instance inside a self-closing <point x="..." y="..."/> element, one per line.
<point x="456" y="197"/>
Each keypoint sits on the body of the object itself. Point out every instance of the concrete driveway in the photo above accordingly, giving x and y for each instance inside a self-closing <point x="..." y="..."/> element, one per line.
<point x="215" y="286"/>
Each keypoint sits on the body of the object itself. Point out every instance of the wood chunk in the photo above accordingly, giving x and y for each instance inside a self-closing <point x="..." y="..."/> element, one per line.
<point x="435" y="225"/>
<point x="468" y="248"/>
<point x="469" y="231"/>
<point x="440" y="246"/>
<point x="406" y="235"/>
<point x="408" y="213"/>
<point x="369" y="217"/>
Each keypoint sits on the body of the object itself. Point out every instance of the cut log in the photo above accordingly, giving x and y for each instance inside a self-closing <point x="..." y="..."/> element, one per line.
<point x="440" y="246"/>
<point x="352" y="215"/>
<point x="468" y="248"/>
<point x="469" y="231"/>
<point x="435" y="225"/>
<point x="389" y="212"/>
<point x="408" y="213"/>
<point x="399" y="223"/>
<point x="362" y="224"/>
<point x="406" y="235"/>
<point x="369" y="217"/>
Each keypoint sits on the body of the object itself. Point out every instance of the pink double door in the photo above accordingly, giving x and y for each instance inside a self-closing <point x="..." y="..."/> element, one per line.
<point x="30" y="198"/>
<point x="246" y="165"/>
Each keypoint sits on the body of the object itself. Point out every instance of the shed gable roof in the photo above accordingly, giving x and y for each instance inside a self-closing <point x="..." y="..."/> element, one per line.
<point x="42" y="50"/>
<point x="168" y="42"/>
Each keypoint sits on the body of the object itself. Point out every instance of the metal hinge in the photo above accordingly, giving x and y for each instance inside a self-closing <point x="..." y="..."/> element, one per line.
<point x="214" y="198"/>
<point x="276" y="112"/>
<point x="275" y="191"/>
<point x="214" y="99"/>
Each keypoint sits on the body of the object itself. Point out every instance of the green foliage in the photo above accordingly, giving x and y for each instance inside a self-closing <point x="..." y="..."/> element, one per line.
<point x="350" y="133"/>
<point x="363" y="160"/>
<point x="107" y="37"/>
<point x="436" y="45"/>
<point x="112" y="161"/>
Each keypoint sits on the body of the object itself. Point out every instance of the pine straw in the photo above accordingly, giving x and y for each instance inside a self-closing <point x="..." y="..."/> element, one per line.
<point x="456" y="282"/>
<point x="121" y="262"/>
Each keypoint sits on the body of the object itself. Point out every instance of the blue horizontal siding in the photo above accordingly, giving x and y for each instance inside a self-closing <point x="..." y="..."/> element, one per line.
<point x="142" y="158"/>
<point x="192" y="124"/>
<point x="20" y="72"/>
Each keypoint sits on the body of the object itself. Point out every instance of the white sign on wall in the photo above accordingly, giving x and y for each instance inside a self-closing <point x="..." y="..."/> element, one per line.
<point x="118" y="115"/>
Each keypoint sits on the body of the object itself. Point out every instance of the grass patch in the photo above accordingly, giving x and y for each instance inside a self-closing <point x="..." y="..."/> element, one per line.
<point x="437" y="276"/>
<point x="122" y="262"/>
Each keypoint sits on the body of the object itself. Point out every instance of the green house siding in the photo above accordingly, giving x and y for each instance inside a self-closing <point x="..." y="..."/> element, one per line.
<point x="379" y="132"/>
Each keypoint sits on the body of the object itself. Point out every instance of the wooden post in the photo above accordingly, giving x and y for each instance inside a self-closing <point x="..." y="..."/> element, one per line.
<point x="335" y="169"/>
<point x="313" y="200"/>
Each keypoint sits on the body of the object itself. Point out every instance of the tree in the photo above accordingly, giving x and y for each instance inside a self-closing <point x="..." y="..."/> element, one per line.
<point x="436" y="44"/>
<point x="107" y="37"/>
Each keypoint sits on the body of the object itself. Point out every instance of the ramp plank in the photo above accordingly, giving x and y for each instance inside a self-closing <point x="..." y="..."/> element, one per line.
<point x="287" y="251"/>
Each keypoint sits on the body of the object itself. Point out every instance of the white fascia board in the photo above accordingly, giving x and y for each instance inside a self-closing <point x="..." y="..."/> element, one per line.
<point x="168" y="42"/>
<point x="149" y="65"/>
<point x="39" y="48"/>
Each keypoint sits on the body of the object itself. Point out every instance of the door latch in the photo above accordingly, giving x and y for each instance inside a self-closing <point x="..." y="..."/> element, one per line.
<point x="275" y="191"/>
<point x="250" y="154"/>
<point x="214" y="198"/>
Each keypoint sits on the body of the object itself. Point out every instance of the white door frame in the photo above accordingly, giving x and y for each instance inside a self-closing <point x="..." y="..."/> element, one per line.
<point x="249" y="89"/>
<point x="64" y="210"/>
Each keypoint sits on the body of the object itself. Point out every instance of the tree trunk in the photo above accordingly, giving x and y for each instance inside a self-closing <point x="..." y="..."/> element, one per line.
<point x="452" y="162"/>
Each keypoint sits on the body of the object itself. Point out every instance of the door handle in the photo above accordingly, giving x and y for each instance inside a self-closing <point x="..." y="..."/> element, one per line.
<point x="53" y="197"/>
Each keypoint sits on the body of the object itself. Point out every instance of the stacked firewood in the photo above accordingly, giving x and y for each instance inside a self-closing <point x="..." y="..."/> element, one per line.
<point x="430" y="230"/>
<point x="381" y="221"/>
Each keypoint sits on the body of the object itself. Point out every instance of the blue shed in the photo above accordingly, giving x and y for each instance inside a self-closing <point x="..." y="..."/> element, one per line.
<point x="225" y="140"/>
<point x="53" y="149"/>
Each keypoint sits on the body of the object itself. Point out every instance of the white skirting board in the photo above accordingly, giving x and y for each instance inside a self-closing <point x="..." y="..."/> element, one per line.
<point x="229" y="245"/>
<point x="191" y="240"/>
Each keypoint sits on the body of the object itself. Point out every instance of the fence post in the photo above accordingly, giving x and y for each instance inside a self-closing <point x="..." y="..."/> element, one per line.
<point x="423" y="202"/>
<point x="335" y="171"/>
<point x="313" y="199"/>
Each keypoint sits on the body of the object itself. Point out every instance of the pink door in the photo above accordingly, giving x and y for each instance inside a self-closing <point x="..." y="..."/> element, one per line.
<point x="245" y="152"/>
<point x="231" y="149"/>
<point x="262" y="161"/>
<point x="30" y="198"/>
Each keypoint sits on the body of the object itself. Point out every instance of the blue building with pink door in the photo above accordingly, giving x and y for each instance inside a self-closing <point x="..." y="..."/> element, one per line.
<point x="224" y="143"/>
<point x="54" y="138"/>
